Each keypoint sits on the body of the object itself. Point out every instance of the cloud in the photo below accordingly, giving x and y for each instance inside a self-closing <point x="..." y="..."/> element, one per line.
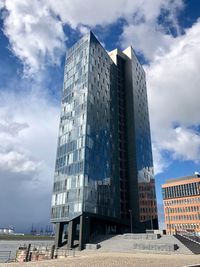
<point x="147" y="34"/>
<point x="173" y="89"/>
<point x="28" y="138"/>
<point x="16" y="162"/>
<point x="12" y="128"/>
<point x="36" y="36"/>
<point x="183" y="143"/>
<point x="157" y="41"/>
<point x="1" y="4"/>
<point x="104" y="12"/>
<point x="35" y="28"/>
<point x="160" y="162"/>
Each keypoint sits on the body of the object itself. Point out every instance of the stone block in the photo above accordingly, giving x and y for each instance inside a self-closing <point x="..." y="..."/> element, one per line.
<point x="92" y="246"/>
<point x="142" y="236"/>
<point x="155" y="246"/>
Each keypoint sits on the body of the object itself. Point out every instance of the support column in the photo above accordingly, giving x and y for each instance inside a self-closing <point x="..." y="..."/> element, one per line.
<point x="58" y="234"/>
<point x="71" y="234"/>
<point x="84" y="232"/>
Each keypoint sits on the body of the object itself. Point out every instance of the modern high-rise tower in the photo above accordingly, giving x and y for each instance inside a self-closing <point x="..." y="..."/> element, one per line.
<point x="103" y="179"/>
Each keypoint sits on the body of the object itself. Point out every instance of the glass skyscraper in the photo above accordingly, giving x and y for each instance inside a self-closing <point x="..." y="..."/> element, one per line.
<point x="104" y="168"/>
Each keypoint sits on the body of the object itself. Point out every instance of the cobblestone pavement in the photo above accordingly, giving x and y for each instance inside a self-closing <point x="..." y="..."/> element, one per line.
<point x="97" y="259"/>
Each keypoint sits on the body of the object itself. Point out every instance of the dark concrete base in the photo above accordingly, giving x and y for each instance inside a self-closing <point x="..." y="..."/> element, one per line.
<point x="84" y="228"/>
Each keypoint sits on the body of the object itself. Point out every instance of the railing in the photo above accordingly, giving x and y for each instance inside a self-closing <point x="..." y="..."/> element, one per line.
<point x="35" y="253"/>
<point x="5" y="256"/>
<point x="189" y="235"/>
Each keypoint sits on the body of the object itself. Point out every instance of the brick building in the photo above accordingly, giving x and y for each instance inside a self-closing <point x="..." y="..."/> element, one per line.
<point x="181" y="197"/>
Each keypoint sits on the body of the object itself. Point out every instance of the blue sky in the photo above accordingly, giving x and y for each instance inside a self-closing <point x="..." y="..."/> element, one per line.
<point x="34" y="37"/>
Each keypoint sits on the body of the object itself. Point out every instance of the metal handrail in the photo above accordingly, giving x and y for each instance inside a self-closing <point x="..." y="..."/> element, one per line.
<point x="5" y="255"/>
<point x="192" y="238"/>
<point x="189" y="236"/>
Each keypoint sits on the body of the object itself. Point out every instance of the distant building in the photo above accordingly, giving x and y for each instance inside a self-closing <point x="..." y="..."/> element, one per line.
<point x="181" y="199"/>
<point x="6" y="231"/>
<point x="104" y="181"/>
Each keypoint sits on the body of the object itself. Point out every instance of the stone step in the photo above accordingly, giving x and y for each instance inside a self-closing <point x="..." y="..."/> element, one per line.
<point x="164" y="243"/>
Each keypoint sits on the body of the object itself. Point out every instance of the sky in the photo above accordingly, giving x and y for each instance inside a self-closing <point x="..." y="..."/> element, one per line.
<point x="34" y="37"/>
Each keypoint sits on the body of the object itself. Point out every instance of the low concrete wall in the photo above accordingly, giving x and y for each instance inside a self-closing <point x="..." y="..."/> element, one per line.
<point x="142" y="236"/>
<point x="160" y="232"/>
<point x="92" y="246"/>
<point x="157" y="247"/>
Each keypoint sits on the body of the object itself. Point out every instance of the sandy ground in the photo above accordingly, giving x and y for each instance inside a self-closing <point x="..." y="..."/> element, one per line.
<point x="103" y="259"/>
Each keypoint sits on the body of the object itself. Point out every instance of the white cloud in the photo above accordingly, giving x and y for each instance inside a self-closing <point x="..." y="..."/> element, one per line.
<point x="35" y="27"/>
<point x="104" y="12"/>
<point x="160" y="163"/>
<point x="12" y="156"/>
<point x="17" y="162"/>
<point x="35" y="35"/>
<point x="184" y="143"/>
<point x="173" y="87"/>
<point x="28" y="138"/>
<point x="146" y="34"/>
<point x="1" y="4"/>
<point x="146" y="39"/>
<point x="12" y="128"/>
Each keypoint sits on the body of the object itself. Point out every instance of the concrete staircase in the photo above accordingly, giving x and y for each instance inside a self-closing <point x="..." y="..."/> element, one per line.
<point x="193" y="246"/>
<point x="121" y="243"/>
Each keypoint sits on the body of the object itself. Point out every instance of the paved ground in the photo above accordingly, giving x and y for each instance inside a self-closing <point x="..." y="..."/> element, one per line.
<point x="97" y="259"/>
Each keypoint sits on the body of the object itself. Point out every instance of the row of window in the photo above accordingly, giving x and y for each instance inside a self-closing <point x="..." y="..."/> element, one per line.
<point x="70" y="182"/>
<point x="181" y="190"/>
<point x="187" y="217"/>
<point x="74" y="134"/>
<point x="99" y="57"/>
<point x="67" y="147"/>
<point x="147" y="217"/>
<point x="148" y="210"/>
<point x="182" y="209"/>
<point x="78" y="89"/>
<point x="65" y="197"/>
<point x="72" y="169"/>
<point x="77" y="48"/>
<point x="182" y="201"/>
<point x="97" y="50"/>
<point x="73" y="151"/>
<point x="98" y="64"/>
<point x="73" y="157"/>
<point x="63" y="211"/>
<point x="68" y="125"/>
<point x="77" y="99"/>
<point x="75" y="83"/>
<point x="184" y="226"/>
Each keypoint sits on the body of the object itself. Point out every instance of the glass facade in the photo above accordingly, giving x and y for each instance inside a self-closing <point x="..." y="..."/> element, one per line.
<point x="69" y="179"/>
<point x="84" y="179"/>
<point x="137" y="185"/>
<point x="143" y="150"/>
<point x="104" y="159"/>
<point x="101" y="185"/>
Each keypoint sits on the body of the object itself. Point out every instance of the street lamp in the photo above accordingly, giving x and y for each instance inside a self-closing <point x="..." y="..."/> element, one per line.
<point x="131" y="223"/>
